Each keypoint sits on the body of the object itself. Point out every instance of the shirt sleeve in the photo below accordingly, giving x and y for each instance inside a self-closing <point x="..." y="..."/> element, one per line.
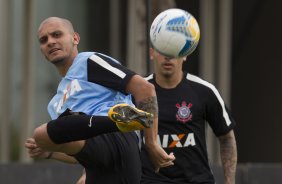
<point x="106" y="71"/>
<point x="218" y="115"/>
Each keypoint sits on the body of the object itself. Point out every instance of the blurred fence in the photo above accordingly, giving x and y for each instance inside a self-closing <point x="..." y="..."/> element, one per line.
<point x="253" y="173"/>
<point x="39" y="173"/>
<point x="59" y="173"/>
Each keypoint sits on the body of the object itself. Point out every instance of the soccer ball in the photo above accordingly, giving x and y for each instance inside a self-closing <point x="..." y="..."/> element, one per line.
<point x="174" y="33"/>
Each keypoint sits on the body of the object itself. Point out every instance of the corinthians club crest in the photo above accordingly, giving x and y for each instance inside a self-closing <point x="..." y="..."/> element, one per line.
<point x="184" y="113"/>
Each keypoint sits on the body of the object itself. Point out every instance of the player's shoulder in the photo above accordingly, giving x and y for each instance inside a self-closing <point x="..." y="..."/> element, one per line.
<point x="198" y="81"/>
<point x="102" y="58"/>
<point x="79" y="67"/>
<point x="83" y="56"/>
<point x="149" y="77"/>
<point x="202" y="85"/>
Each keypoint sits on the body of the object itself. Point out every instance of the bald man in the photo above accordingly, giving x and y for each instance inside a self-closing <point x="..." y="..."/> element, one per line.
<point x="94" y="86"/>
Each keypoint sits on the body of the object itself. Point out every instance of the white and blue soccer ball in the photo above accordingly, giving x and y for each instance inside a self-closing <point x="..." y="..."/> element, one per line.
<point x="175" y="33"/>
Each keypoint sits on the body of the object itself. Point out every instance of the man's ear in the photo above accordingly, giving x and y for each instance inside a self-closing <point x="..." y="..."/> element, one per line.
<point x="76" y="38"/>
<point x="184" y="58"/>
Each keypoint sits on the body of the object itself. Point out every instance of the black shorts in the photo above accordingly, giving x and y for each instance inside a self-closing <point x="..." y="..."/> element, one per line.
<point x="111" y="158"/>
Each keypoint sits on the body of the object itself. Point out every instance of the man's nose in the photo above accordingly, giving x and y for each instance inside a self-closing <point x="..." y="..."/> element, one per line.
<point x="167" y="58"/>
<point x="51" y="41"/>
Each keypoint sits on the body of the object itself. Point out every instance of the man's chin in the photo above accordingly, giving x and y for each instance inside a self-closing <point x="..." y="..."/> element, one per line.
<point x="167" y="74"/>
<point x="57" y="61"/>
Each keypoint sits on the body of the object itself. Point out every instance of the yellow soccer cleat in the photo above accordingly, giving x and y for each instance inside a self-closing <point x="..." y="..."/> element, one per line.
<point x="128" y="118"/>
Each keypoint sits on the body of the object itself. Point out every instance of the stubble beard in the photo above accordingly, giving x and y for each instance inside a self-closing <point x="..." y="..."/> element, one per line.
<point x="167" y="74"/>
<point x="60" y="61"/>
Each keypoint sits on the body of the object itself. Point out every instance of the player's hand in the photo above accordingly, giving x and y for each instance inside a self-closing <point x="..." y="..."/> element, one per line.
<point x="159" y="157"/>
<point x="33" y="150"/>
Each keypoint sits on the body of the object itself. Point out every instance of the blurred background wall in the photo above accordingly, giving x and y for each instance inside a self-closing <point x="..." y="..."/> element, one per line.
<point x="239" y="52"/>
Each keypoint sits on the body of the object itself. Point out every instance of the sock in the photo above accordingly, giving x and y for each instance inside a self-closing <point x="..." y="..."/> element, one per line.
<point x="79" y="127"/>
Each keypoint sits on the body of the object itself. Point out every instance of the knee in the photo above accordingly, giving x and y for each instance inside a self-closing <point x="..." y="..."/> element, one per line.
<point x="41" y="137"/>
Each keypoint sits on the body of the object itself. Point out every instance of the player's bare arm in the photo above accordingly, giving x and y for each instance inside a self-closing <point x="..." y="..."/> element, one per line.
<point x="228" y="151"/>
<point x="149" y="104"/>
<point x="146" y="99"/>
<point x="35" y="151"/>
<point x="62" y="157"/>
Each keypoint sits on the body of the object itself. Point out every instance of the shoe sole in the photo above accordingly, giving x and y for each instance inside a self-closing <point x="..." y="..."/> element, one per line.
<point x="126" y="114"/>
